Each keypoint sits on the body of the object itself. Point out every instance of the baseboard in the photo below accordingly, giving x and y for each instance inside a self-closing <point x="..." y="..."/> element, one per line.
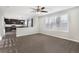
<point x="74" y="40"/>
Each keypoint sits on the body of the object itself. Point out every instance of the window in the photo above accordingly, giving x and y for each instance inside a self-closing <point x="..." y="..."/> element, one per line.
<point x="64" y="25"/>
<point x="50" y="22"/>
<point x="58" y="23"/>
<point x="0" y="38"/>
<point x="29" y="22"/>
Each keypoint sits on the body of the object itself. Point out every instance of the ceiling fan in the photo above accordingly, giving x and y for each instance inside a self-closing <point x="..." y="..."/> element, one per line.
<point x="39" y="9"/>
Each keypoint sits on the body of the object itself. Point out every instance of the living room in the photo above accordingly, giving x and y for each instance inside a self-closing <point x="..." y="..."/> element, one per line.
<point x="36" y="29"/>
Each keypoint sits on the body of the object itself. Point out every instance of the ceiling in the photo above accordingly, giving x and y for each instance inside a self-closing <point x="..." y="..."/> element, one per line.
<point x="24" y="10"/>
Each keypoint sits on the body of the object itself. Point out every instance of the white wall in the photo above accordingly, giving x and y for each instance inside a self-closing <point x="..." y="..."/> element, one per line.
<point x="2" y="31"/>
<point x="73" y="25"/>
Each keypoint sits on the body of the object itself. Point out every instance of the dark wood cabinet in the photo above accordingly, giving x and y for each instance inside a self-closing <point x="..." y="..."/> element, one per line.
<point x="8" y="29"/>
<point x="14" y="21"/>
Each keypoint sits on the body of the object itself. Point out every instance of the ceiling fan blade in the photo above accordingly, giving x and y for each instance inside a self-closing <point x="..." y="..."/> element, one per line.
<point x="43" y="8"/>
<point x="44" y="11"/>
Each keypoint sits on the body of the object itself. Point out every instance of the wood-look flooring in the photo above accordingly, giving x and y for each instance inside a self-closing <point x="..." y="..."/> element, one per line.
<point x="40" y="43"/>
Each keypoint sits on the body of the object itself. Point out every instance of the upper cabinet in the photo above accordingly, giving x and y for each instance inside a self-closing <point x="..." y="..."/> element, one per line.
<point x="14" y="21"/>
